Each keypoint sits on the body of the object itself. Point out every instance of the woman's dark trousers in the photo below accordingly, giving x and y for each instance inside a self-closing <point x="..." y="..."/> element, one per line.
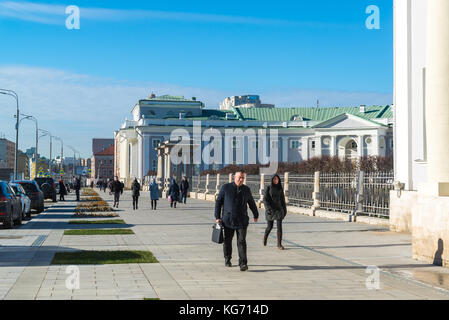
<point x="279" y="232"/>
<point x="241" y="245"/>
<point x="135" y="202"/>
<point x="153" y="204"/>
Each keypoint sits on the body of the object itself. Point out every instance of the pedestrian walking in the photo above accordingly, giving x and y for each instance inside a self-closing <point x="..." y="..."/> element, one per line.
<point x="184" y="189"/>
<point x="173" y="192"/>
<point x="117" y="189"/>
<point x="135" y="188"/>
<point x="231" y="210"/>
<point x="275" y="209"/>
<point x="62" y="190"/>
<point x="154" y="194"/>
<point x="77" y="187"/>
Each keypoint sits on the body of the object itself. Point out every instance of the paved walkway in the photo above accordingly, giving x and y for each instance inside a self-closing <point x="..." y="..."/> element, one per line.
<point x="324" y="259"/>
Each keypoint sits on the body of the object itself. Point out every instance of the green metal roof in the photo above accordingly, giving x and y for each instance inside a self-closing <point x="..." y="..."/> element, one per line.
<point x="311" y="114"/>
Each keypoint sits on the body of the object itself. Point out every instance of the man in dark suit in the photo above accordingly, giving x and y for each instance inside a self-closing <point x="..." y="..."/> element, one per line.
<point x="231" y="209"/>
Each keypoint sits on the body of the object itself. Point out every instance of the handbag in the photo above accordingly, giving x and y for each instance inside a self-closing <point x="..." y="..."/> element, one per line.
<point x="217" y="233"/>
<point x="169" y="199"/>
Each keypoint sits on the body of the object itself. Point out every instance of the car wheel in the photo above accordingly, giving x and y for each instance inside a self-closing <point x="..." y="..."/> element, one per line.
<point x="9" y="223"/>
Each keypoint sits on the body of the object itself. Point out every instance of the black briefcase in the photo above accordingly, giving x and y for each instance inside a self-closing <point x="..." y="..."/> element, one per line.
<point x="217" y="233"/>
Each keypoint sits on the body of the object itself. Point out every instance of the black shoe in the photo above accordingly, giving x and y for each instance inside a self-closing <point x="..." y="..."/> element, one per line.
<point x="228" y="264"/>
<point x="244" y="268"/>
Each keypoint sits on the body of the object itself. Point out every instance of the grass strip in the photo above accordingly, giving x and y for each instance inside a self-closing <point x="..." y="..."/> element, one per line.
<point x="103" y="257"/>
<point x="151" y="299"/>
<point x="93" y="232"/>
<point x="117" y="221"/>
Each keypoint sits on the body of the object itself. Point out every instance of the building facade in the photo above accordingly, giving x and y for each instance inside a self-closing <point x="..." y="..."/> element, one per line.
<point x="247" y="101"/>
<point x="7" y="154"/>
<point x="102" y="164"/>
<point x="245" y="135"/>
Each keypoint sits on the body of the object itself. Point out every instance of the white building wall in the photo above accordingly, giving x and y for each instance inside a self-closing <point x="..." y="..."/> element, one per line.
<point x="409" y="64"/>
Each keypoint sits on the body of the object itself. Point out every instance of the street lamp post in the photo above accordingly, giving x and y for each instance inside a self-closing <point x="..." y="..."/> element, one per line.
<point x="14" y="95"/>
<point x="46" y="132"/>
<point x="37" y="140"/>
<point x="62" y="152"/>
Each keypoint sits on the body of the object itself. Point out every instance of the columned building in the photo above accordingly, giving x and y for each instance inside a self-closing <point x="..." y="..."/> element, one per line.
<point x="420" y="203"/>
<point x="244" y="135"/>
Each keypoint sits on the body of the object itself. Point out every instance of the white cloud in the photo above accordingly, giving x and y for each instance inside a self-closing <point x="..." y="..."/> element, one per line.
<point x="78" y="107"/>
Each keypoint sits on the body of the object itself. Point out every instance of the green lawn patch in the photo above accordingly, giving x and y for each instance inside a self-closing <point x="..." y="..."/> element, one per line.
<point x="151" y="299"/>
<point x="103" y="257"/>
<point x="93" y="232"/>
<point x="117" y="221"/>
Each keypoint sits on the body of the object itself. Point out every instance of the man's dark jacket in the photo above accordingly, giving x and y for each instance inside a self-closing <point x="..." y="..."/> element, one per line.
<point x="116" y="187"/>
<point x="184" y="186"/>
<point x="232" y="206"/>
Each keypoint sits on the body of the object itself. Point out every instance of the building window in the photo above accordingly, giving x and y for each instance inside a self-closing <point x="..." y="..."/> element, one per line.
<point x="154" y="165"/>
<point x="295" y="144"/>
<point x="313" y="144"/>
<point x="274" y="144"/>
<point x="235" y="143"/>
<point x="156" y="142"/>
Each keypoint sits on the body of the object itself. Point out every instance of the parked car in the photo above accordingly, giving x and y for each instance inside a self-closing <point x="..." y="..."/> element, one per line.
<point x="33" y="192"/>
<point x="10" y="206"/>
<point x="21" y="194"/>
<point x="48" y="187"/>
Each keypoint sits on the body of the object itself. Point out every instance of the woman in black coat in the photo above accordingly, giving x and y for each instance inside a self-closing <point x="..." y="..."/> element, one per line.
<point x="173" y="192"/>
<point x="275" y="208"/>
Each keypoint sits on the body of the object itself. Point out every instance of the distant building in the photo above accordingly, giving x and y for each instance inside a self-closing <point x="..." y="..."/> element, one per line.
<point x="102" y="164"/>
<point x="101" y="144"/>
<point x="248" y="101"/>
<point x="7" y="154"/>
<point x="303" y="133"/>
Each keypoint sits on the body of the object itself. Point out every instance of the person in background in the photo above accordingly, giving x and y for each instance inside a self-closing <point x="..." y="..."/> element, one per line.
<point x="117" y="189"/>
<point x="77" y="187"/>
<point x="62" y="190"/>
<point x="135" y="188"/>
<point x="154" y="194"/>
<point x="173" y="192"/>
<point x="184" y="189"/>
<point x="275" y="209"/>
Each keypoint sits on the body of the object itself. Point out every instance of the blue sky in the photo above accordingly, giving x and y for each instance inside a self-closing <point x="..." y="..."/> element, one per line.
<point x="289" y="52"/>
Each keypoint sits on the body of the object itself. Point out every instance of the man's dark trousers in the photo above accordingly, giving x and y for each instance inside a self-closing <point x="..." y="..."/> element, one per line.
<point x="77" y="195"/>
<point x="116" y="198"/>
<point x="241" y="245"/>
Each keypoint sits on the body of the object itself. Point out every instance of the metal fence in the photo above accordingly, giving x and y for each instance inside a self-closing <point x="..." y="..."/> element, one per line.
<point x="300" y="190"/>
<point x="253" y="182"/>
<point x="376" y="193"/>
<point x="338" y="191"/>
<point x="194" y="186"/>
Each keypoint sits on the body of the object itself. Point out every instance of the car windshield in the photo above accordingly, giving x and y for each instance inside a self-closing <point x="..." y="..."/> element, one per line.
<point x="3" y="189"/>
<point x="29" y="187"/>
<point x="14" y="188"/>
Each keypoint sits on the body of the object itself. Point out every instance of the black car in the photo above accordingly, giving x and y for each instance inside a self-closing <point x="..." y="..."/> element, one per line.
<point x="10" y="206"/>
<point x="34" y="193"/>
<point x="47" y="185"/>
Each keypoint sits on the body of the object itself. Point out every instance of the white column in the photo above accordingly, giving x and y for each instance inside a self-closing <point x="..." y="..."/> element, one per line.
<point x="305" y="149"/>
<point x="375" y="150"/>
<point x="318" y="145"/>
<point x="285" y="149"/>
<point x="360" y="146"/>
<point x="437" y="93"/>
<point x="333" y="147"/>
